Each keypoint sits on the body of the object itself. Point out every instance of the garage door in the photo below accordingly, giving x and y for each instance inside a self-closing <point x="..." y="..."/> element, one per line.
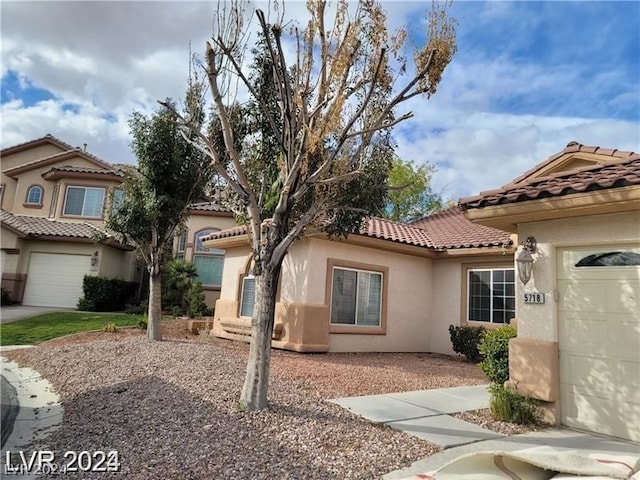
<point x="55" y="280"/>
<point x="599" y="339"/>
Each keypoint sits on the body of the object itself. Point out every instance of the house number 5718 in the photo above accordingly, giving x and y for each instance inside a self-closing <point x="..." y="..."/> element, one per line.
<point x="534" y="298"/>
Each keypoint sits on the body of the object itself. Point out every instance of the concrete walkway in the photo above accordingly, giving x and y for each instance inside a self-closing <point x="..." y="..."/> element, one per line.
<point x="425" y="413"/>
<point x="38" y="410"/>
<point x="560" y="439"/>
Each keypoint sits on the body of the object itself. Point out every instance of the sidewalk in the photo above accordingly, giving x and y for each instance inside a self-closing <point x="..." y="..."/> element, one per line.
<point x="38" y="409"/>
<point x="425" y="413"/>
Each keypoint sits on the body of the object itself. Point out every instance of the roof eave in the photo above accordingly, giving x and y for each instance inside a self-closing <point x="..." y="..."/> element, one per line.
<point x="507" y="216"/>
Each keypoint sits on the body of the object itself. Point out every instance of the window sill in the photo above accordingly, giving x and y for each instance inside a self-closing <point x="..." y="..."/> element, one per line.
<point x="357" y="330"/>
<point x="32" y="205"/>
<point x="211" y="288"/>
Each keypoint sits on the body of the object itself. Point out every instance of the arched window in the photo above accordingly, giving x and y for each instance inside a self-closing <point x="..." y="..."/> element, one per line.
<point x="208" y="261"/>
<point x="610" y="259"/>
<point x="34" y="195"/>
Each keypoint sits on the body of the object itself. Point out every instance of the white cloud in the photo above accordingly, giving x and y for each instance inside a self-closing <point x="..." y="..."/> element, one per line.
<point x="494" y="116"/>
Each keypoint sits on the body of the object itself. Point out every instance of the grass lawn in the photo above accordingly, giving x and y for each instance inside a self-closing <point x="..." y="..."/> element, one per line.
<point x="52" y="325"/>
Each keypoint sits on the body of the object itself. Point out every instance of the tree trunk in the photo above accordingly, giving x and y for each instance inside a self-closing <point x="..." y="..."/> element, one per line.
<point x="254" y="392"/>
<point x="155" y="306"/>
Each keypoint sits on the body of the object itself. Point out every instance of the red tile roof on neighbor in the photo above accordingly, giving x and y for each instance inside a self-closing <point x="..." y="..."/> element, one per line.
<point x="623" y="170"/>
<point x="34" y="227"/>
<point x="444" y="230"/>
<point x="207" y="207"/>
<point x="450" y="229"/>
<point x="40" y="226"/>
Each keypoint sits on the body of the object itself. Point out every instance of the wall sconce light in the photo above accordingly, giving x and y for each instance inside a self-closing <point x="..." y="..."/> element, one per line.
<point x="94" y="261"/>
<point x="525" y="260"/>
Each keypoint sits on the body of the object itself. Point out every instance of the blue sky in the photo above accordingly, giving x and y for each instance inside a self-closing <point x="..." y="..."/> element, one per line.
<point x="528" y="78"/>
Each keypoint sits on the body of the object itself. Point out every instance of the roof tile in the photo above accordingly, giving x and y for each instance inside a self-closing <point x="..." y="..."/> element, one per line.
<point x="622" y="170"/>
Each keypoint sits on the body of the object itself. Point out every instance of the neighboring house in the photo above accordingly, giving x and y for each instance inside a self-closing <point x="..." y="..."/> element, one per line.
<point x="392" y="287"/>
<point x="579" y="350"/>
<point x="204" y="219"/>
<point x="54" y="199"/>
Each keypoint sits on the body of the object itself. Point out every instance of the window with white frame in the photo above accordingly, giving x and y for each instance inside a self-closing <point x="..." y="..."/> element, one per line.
<point x="491" y="295"/>
<point x="117" y="200"/>
<point x="34" y="195"/>
<point x="208" y="261"/>
<point x="248" y="296"/>
<point x="84" y="201"/>
<point x="356" y="297"/>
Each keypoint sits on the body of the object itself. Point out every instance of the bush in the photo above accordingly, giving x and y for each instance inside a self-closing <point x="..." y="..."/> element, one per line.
<point x="195" y="299"/>
<point x="6" y="297"/>
<point x="110" y="327"/>
<point x="142" y="323"/>
<point x="102" y="294"/>
<point x="465" y="341"/>
<point x="494" y="348"/>
<point x="137" y="309"/>
<point x="509" y="406"/>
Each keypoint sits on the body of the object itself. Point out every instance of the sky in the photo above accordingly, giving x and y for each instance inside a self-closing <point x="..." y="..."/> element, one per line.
<point x="528" y="78"/>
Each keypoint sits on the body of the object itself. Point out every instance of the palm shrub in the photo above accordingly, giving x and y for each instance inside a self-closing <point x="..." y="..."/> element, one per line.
<point x="179" y="278"/>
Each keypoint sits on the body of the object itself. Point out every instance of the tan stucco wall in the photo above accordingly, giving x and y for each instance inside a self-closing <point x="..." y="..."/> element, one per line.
<point x="34" y="177"/>
<point x="115" y="263"/>
<point x="26" y="156"/>
<point x="541" y="321"/>
<point x="533" y="355"/>
<point x="15" y="160"/>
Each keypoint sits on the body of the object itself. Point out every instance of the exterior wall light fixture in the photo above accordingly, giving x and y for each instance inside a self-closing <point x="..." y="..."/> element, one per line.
<point x="94" y="261"/>
<point x="525" y="259"/>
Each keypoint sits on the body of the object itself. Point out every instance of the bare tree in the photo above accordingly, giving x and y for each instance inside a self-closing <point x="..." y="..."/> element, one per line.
<point x="336" y="103"/>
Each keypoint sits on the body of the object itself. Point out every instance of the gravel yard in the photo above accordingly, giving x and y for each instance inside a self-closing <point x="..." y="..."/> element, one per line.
<point x="171" y="408"/>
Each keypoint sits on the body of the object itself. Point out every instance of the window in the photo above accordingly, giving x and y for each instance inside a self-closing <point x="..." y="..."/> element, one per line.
<point x="208" y="261"/>
<point x="248" y="296"/>
<point x="610" y="259"/>
<point x="356" y="297"/>
<point x="84" y="201"/>
<point x="491" y="295"/>
<point x="116" y="201"/>
<point x="34" y="195"/>
<point x="181" y="242"/>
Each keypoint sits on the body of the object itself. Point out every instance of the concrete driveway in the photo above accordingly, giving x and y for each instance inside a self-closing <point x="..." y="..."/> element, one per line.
<point x="18" y="312"/>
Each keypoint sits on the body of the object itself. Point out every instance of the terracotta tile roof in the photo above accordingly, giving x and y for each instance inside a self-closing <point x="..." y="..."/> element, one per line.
<point x="40" y="226"/>
<point x="74" y="169"/>
<point x="444" y="230"/>
<point x="449" y="229"/>
<point x="571" y="148"/>
<point x="396" y="232"/>
<point x="207" y="207"/>
<point x="48" y="138"/>
<point x="56" y="158"/>
<point x="623" y="171"/>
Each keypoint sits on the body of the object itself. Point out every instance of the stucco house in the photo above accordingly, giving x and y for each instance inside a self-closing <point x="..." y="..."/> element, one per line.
<point x="53" y="201"/>
<point x="578" y="315"/>
<point x="391" y="288"/>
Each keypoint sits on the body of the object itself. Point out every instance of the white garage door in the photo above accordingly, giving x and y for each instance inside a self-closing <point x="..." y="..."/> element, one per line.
<point x="599" y="339"/>
<point x="55" y="280"/>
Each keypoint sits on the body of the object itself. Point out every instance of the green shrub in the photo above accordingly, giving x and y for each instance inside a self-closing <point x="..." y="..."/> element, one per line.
<point x="510" y="406"/>
<point x="465" y="341"/>
<point x="137" y="309"/>
<point x="195" y="300"/>
<point x="85" y="305"/>
<point x="110" y="327"/>
<point x="102" y="294"/>
<point x="5" y="299"/>
<point x="494" y="348"/>
<point x="142" y="323"/>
